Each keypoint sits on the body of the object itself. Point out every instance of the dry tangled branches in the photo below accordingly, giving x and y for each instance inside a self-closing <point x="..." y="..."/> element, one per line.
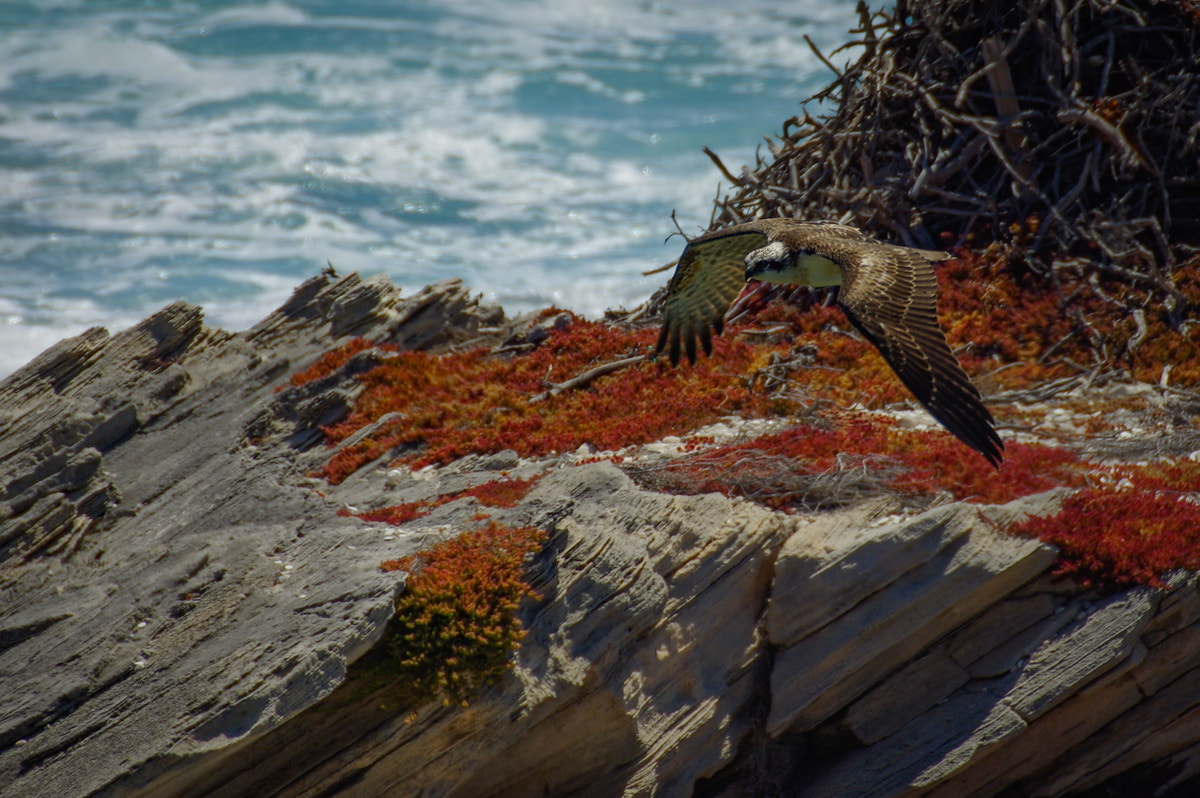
<point x="772" y="479"/>
<point x="961" y="114"/>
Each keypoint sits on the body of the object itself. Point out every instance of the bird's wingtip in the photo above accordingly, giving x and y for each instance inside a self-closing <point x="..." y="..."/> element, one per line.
<point x="993" y="450"/>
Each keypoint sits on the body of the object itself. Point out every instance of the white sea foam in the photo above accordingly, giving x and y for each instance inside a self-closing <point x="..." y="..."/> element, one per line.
<point x="223" y="154"/>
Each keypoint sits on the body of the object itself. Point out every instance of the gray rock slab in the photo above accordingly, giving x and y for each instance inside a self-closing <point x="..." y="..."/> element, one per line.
<point x="1046" y="740"/>
<point x="967" y="746"/>
<point x="960" y="565"/>
<point x="1155" y="728"/>
<point x="1059" y="668"/>
<point x="1105" y="636"/>
<point x="837" y="560"/>
<point x="903" y="696"/>
<point x="180" y="603"/>
<point x="1169" y="657"/>
<point x="914" y="756"/>
<point x="1178" y="609"/>
<point x="639" y="674"/>
<point x="956" y="738"/>
<point x="981" y="646"/>
<point x="169" y="583"/>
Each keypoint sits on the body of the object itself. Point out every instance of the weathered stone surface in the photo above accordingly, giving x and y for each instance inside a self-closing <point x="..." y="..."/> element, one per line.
<point x="976" y="651"/>
<point x="1101" y="638"/>
<point x="1045" y="740"/>
<point x="166" y="588"/>
<point x="1154" y="729"/>
<point x="179" y="606"/>
<point x="637" y="674"/>
<point x="987" y="714"/>
<point x="1177" y="611"/>
<point x="949" y="565"/>
<point x="1167" y="658"/>
<point x="933" y="741"/>
<point x="921" y="684"/>
<point x="838" y="560"/>
<point x="1032" y="617"/>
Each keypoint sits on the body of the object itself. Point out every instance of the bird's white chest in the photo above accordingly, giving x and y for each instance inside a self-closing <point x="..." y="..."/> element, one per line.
<point x="787" y="267"/>
<point x="817" y="270"/>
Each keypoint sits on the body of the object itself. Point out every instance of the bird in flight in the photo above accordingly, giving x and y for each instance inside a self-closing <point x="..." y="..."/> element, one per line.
<point x="888" y="292"/>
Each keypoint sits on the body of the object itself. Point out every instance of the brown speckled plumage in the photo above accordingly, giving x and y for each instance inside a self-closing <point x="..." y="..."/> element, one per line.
<point x="888" y="292"/>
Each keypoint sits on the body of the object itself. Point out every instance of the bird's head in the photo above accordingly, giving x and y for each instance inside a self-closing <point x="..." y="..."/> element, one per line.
<point x="783" y="265"/>
<point x="771" y="264"/>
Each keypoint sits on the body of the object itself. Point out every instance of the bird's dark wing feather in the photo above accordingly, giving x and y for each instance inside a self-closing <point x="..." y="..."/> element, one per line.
<point x="710" y="275"/>
<point x="889" y="293"/>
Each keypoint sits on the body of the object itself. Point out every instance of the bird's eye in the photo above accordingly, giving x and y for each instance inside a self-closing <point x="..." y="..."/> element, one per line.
<point x="773" y="257"/>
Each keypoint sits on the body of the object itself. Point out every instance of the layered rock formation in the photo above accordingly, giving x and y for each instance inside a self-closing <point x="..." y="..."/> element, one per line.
<point x="182" y="603"/>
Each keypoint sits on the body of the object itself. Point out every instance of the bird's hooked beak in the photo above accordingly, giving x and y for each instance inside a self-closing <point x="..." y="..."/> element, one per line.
<point x="767" y="262"/>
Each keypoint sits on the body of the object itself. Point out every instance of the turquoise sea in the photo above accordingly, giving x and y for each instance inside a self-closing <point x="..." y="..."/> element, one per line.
<point x="221" y="152"/>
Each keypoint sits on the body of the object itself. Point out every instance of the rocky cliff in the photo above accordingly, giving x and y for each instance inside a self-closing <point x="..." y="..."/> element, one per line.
<point x="183" y="603"/>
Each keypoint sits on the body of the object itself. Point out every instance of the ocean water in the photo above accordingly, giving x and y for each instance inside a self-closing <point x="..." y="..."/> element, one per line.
<point x="222" y="152"/>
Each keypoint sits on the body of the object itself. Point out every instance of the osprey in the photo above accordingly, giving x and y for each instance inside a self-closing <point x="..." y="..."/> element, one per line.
<point x="888" y="292"/>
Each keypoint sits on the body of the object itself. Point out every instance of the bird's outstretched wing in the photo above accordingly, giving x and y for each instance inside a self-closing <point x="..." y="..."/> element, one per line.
<point x="889" y="293"/>
<point x="710" y="275"/>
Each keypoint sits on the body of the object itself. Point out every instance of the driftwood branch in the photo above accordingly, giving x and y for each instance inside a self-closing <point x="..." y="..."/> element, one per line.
<point x="584" y="379"/>
<point x="721" y="166"/>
